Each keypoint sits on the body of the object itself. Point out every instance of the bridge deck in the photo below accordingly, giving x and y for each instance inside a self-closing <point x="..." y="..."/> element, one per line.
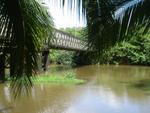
<point x="66" y="41"/>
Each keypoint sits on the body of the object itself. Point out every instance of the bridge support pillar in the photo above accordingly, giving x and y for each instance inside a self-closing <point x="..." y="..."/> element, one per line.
<point x="45" y="59"/>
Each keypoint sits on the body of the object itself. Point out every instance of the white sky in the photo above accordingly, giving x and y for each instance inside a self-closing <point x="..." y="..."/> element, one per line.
<point x="63" y="19"/>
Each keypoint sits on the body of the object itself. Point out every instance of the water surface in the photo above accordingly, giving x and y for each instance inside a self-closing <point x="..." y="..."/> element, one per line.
<point x="109" y="89"/>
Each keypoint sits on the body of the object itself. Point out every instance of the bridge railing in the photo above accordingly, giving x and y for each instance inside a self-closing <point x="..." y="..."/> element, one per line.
<point x="64" y="40"/>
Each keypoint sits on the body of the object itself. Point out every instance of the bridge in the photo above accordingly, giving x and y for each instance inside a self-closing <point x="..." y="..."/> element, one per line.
<point x="65" y="41"/>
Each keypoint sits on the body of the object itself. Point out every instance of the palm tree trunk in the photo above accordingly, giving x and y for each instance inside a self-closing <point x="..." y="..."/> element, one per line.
<point x="2" y="68"/>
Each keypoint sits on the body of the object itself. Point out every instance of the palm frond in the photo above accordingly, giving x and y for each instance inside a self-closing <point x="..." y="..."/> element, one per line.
<point x="131" y="15"/>
<point x="25" y="25"/>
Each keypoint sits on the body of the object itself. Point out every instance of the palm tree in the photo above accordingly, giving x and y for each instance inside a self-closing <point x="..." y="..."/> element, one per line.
<point x="111" y="22"/>
<point x="23" y="25"/>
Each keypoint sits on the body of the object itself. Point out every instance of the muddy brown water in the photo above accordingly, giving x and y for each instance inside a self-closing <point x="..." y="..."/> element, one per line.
<point x="109" y="89"/>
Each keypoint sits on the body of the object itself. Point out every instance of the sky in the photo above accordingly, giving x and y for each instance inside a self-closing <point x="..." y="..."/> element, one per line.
<point x="63" y="19"/>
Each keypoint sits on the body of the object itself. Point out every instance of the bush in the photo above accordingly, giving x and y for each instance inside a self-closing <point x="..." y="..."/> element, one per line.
<point x="61" y="57"/>
<point x="135" y="51"/>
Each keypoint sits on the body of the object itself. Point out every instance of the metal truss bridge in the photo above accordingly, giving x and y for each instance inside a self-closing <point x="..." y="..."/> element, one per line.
<point x="65" y="41"/>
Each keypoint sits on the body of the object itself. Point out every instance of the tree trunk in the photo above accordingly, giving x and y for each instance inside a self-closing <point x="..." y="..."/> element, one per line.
<point x="2" y="68"/>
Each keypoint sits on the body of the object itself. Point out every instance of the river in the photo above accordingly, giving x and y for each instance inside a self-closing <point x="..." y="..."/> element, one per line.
<point x="109" y="89"/>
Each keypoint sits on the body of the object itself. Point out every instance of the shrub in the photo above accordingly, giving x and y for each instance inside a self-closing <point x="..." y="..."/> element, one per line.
<point x="135" y="51"/>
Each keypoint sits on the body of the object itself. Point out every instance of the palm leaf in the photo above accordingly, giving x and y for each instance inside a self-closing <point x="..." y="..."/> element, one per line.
<point x="26" y="24"/>
<point x="132" y="16"/>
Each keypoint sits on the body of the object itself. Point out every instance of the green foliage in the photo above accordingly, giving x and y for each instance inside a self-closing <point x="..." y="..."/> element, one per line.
<point x="70" y="75"/>
<point x="61" y="57"/>
<point x="67" y="78"/>
<point x="110" y="22"/>
<point x="135" y="51"/>
<point x="102" y="28"/>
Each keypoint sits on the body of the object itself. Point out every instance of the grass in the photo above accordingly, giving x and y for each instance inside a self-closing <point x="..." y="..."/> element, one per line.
<point x="68" y="78"/>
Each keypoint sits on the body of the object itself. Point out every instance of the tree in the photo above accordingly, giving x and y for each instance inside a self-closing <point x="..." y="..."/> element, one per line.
<point x="111" y="22"/>
<point x="23" y="25"/>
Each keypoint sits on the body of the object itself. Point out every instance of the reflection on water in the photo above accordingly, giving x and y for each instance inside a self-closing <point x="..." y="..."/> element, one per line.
<point x="109" y="89"/>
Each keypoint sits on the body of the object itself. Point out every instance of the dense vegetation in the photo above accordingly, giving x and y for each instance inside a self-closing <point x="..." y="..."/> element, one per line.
<point x="136" y="51"/>
<point x="61" y="57"/>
